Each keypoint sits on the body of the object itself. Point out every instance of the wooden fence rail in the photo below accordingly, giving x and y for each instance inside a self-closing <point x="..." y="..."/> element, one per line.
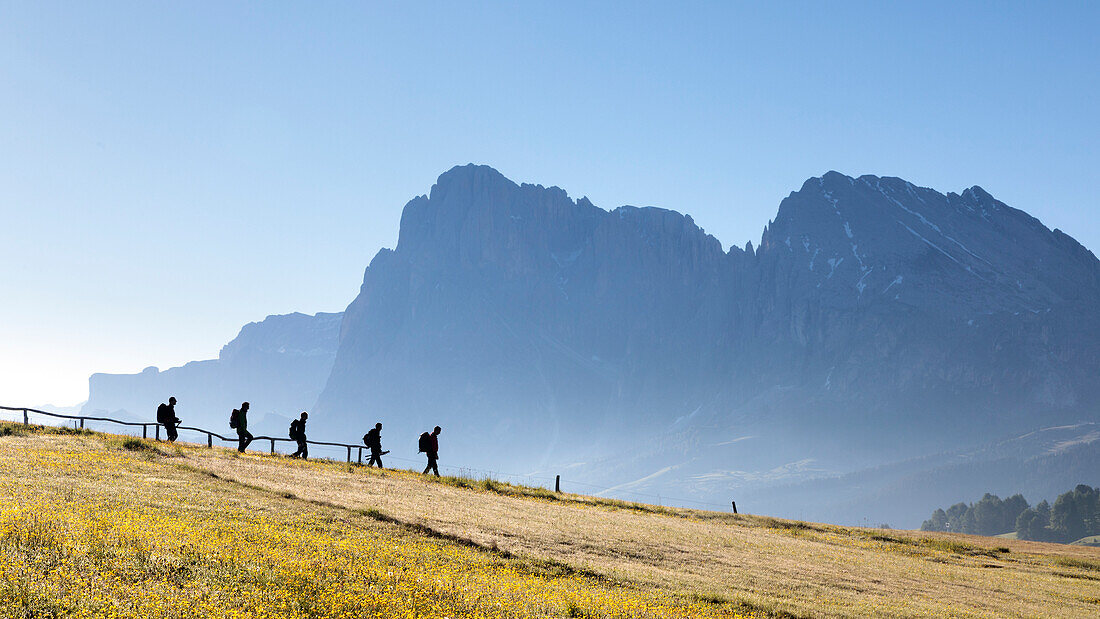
<point x="210" y="436"/>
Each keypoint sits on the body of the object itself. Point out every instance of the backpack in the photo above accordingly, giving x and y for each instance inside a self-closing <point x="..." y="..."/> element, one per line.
<point x="233" y="418"/>
<point x="425" y="443"/>
<point x="163" y="414"/>
<point x="294" y="429"/>
<point x="370" y="439"/>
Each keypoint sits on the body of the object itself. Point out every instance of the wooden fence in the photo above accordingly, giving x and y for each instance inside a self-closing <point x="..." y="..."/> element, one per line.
<point x="210" y="436"/>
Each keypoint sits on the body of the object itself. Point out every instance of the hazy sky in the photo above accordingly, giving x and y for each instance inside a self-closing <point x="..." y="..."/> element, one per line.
<point x="169" y="172"/>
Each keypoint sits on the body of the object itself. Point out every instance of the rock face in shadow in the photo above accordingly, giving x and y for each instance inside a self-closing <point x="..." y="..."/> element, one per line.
<point x="875" y="320"/>
<point x="279" y="365"/>
<point x="521" y="320"/>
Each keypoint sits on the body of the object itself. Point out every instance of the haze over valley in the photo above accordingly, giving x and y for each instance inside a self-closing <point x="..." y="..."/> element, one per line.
<point x="883" y="350"/>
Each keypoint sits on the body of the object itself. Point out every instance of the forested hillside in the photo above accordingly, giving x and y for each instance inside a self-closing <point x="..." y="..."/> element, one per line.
<point x="1074" y="515"/>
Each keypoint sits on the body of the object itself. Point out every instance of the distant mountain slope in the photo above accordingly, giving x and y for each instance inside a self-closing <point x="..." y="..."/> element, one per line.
<point x="1040" y="465"/>
<point x="279" y="365"/>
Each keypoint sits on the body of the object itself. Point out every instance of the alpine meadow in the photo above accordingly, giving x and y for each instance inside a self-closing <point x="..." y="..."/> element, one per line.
<point x="92" y="527"/>
<point x="605" y="310"/>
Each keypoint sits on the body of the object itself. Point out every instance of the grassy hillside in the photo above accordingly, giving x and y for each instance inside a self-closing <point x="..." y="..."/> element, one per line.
<point x="97" y="525"/>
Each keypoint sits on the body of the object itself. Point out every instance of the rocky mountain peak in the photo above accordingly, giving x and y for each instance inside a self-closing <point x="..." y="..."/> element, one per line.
<point x="869" y="239"/>
<point x="468" y="183"/>
<point x="475" y="216"/>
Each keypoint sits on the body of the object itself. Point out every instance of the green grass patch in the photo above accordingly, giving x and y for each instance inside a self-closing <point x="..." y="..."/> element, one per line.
<point x="962" y="548"/>
<point x="1083" y="564"/>
<point x="9" y="428"/>
<point x="517" y="490"/>
<point x="141" y="446"/>
<point x="793" y="526"/>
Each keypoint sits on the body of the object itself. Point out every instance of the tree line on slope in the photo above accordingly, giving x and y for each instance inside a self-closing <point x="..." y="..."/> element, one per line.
<point x="1074" y="515"/>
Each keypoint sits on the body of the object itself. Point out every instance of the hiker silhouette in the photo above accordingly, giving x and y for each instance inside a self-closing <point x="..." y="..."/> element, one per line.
<point x="429" y="444"/>
<point x="298" y="433"/>
<point x="238" y="420"/>
<point x="166" y="416"/>
<point x="373" y="439"/>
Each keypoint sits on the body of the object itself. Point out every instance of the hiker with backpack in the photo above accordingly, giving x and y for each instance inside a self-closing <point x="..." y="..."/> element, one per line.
<point x="429" y="445"/>
<point x="298" y="433"/>
<point x="166" y="416"/>
<point x="238" y="420"/>
<point x="373" y="439"/>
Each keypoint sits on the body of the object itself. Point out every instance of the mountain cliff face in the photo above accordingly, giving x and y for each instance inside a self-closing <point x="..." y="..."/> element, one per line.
<point x="876" y="319"/>
<point x="521" y="319"/>
<point x="279" y="365"/>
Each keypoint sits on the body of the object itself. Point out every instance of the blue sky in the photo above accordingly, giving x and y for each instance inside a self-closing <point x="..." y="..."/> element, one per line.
<point x="171" y="171"/>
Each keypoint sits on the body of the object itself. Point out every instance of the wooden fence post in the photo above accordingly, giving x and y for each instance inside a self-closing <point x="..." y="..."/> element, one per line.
<point x="273" y="447"/>
<point x="26" y="421"/>
<point x="144" y="430"/>
<point x="157" y="426"/>
<point x="360" y="456"/>
<point x="209" y="440"/>
<point x="349" y="454"/>
<point x="557" y="483"/>
<point x="81" y="423"/>
<point x="734" y="503"/>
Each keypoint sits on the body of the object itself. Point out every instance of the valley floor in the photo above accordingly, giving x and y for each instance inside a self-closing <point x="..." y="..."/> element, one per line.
<point x="103" y="526"/>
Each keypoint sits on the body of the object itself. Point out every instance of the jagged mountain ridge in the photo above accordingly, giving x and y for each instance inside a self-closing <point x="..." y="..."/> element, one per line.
<point x="518" y="317"/>
<point x="279" y="364"/>
<point x="874" y="280"/>
<point x="886" y="236"/>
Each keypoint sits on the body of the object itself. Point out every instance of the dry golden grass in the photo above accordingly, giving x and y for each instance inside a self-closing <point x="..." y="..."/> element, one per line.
<point x="606" y="558"/>
<point x="783" y="566"/>
<point x="97" y="526"/>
